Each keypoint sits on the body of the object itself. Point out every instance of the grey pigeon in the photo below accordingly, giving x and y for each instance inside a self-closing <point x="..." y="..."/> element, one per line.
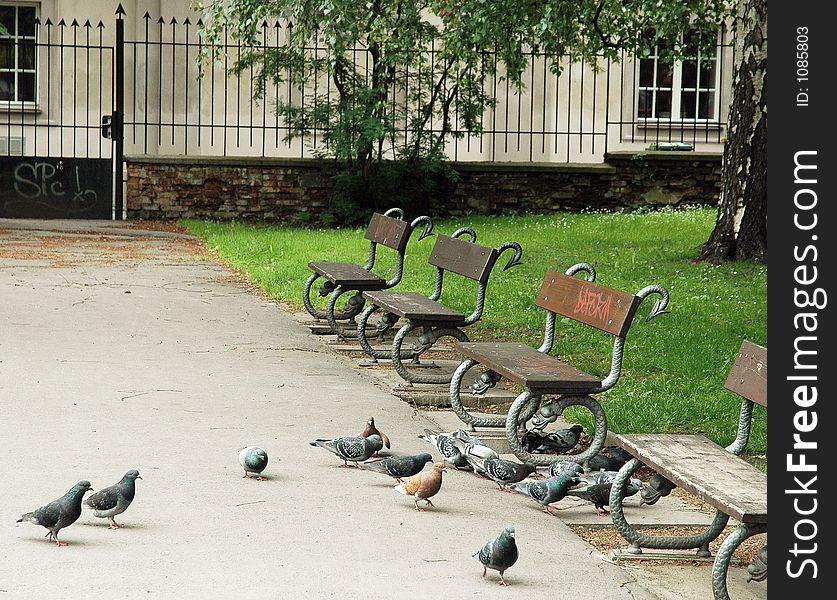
<point x="554" y="442"/>
<point x="503" y="472"/>
<point x="352" y="448"/>
<point x="473" y="451"/>
<point x="598" y="477"/>
<point x="599" y="494"/>
<point x="253" y="460"/>
<point x="446" y="445"/>
<point x="499" y="554"/>
<point x="114" y="499"/>
<point x="461" y="434"/>
<point x="609" y="458"/>
<point x="561" y="466"/>
<point x="398" y="467"/>
<point x="60" y="513"/>
<point x="546" y="491"/>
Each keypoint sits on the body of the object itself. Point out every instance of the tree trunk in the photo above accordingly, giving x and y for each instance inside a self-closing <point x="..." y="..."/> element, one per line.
<point x="741" y="226"/>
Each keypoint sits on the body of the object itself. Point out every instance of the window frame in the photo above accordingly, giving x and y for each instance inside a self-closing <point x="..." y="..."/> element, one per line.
<point x="15" y="103"/>
<point x="676" y="88"/>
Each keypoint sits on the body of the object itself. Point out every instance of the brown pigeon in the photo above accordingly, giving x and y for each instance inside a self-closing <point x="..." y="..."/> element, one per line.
<point x="424" y="485"/>
<point x="370" y="429"/>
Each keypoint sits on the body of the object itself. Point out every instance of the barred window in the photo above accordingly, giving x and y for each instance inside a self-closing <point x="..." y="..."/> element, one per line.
<point x="683" y="90"/>
<point x="18" y="60"/>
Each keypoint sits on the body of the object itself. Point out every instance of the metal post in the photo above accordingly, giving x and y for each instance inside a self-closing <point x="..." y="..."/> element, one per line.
<point x="119" y="112"/>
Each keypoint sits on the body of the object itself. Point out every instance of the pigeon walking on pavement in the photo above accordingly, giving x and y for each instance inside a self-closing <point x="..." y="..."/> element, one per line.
<point x="503" y="472"/>
<point x="351" y="448"/>
<point x="561" y="466"/>
<point x="114" y="499"/>
<point x="500" y="553"/>
<point x="370" y="429"/>
<point x="398" y="467"/>
<point x="446" y="445"/>
<point x="59" y="513"/>
<point x="253" y="460"/>
<point x="546" y="491"/>
<point x="424" y="485"/>
<point x="599" y="494"/>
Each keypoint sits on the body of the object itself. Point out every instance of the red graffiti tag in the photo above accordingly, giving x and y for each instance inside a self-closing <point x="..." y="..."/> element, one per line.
<point x="593" y="304"/>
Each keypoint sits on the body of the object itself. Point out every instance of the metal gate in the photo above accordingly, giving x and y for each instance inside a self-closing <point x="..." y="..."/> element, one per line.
<point x="60" y="148"/>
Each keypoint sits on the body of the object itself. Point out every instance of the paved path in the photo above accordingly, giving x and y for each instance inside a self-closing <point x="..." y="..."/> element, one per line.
<point x="124" y="349"/>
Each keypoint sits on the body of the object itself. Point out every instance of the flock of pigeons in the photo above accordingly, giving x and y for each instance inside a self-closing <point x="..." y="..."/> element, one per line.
<point x="459" y="449"/>
<point x="463" y="451"/>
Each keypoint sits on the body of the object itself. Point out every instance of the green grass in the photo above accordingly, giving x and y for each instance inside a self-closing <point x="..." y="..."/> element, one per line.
<point x="675" y="366"/>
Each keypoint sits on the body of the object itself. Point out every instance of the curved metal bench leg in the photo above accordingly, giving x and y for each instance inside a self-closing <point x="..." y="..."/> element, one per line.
<point x="363" y="339"/>
<point x="638" y="540"/>
<point x="306" y="298"/>
<point x="427" y="339"/>
<point x="456" y="400"/>
<point x="722" y="559"/>
<point x="353" y="307"/>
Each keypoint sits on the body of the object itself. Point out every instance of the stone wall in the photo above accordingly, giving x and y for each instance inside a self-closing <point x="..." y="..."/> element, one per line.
<point x="298" y="190"/>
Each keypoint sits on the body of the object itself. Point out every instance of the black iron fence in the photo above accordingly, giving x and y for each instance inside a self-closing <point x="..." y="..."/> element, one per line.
<point x="67" y="89"/>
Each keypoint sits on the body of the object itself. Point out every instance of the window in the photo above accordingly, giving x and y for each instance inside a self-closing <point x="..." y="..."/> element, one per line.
<point x="17" y="53"/>
<point x="684" y="90"/>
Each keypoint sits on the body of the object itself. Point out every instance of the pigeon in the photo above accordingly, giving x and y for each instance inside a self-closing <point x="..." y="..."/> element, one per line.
<point x="398" y="467"/>
<point x="351" y="448"/>
<point x="598" y="477"/>
<point x="446" y="445"/>
<point x="467" y="438"/>
<point x="476" y="451"/>
<point x="253" y="460"/>
<point x="561" y="466"/>
<point x="503" y="472"/>
<point x="424" y="485"/>
<point x="114" y="499"/>
<point x="609" y="458"/>
<point x="370" y="429"/>
<point x="499" y="554"/>
<point x="546" y="491"/>
<point x="556" y="442"/>
<point x="60" y="513"/>
<point x="599" y="494"/>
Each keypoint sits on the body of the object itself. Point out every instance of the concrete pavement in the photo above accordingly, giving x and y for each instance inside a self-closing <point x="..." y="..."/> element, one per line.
<point x="122" y="349"/>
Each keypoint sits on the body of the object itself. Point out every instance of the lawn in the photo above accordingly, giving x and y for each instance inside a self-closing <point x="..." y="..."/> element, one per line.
<point x="675" y="366"/>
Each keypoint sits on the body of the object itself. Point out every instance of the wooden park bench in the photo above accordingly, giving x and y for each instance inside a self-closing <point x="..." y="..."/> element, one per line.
<point x="450" y="254"/>
<point x="388" y="229"/>
<point x="541" y="374"/>
<point x="717" y="475"/>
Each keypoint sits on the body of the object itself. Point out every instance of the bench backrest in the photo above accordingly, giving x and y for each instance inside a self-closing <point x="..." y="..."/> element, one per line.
<point x="748" y="376"/>
<point x="596" y="305"/>
<point x="463" y="257"/>
<point x="389" y="231"/>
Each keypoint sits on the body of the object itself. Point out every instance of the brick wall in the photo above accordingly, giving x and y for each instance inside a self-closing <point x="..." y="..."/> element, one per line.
<point x="298" y="190"/>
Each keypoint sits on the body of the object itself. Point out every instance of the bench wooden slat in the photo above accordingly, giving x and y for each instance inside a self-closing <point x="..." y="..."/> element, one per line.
<point x="748" y="376"/>
<point x="348" y="274"/>
<point x="596" y="305"/>
<point x="701" y="467"/>
<point x="413" y="306"/>
<point x="525" y="365"/>
<point x="389" y="231"/>
<point x="462" y="257"/>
